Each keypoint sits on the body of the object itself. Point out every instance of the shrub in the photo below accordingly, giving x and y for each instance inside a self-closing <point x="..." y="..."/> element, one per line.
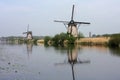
<point x="47" y="39"/>
<point x="114" y="42"/>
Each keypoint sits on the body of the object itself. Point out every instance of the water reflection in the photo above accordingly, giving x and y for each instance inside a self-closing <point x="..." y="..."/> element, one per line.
<point x="14" y="63"/>
<point x="115" y="51"/>
<point x="72" y="54"/>
<point x="29" y="49"/>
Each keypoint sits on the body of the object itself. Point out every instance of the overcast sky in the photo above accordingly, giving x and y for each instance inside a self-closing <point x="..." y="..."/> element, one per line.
<point x="15" y="15"/>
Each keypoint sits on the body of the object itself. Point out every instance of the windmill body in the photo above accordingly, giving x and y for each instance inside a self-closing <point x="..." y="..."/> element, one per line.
<point x="29" y="35"/>
<point x="72" y="26"/>
<point x="72" y="29"/>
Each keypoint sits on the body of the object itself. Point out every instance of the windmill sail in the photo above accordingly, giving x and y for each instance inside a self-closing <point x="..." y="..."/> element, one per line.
<point x="81" y="22"/>
<point x="72" y="12"/>
<point x="65" y="22"/>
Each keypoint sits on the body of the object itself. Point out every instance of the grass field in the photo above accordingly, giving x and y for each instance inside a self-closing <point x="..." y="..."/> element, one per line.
<point x="94" y="41"/>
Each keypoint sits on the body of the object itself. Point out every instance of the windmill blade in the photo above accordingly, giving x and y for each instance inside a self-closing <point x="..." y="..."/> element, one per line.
<point x="72" y="12"/>
<point x="28" y="28"/>
<point x="65" y="22"/>
<point x="24" y="32"/>
<point x="82" y="22"/>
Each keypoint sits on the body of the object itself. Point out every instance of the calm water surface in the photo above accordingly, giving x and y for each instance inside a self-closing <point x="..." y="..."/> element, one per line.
<point x="36" y="62"/>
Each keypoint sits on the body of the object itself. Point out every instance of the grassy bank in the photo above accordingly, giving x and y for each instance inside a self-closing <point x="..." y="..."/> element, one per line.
<point x="93" y="41"/>
<point x="111" y="40"/>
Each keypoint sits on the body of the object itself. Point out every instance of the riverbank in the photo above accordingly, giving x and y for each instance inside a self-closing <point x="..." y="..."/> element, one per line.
<point x="112" y="41"/>
<point x="87" y="41"/>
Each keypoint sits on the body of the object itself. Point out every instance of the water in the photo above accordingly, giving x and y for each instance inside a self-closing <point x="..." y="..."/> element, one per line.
<point x="36" y="62"/>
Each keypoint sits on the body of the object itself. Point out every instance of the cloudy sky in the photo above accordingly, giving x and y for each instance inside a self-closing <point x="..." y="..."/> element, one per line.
<point x="15" y="15"/>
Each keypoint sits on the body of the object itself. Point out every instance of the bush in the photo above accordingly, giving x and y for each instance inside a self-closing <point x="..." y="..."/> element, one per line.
<point x="71" y="39"/>
<point x="114" y="42"/>
<point x="59" y="39"/>
<point x="47" y="39"/>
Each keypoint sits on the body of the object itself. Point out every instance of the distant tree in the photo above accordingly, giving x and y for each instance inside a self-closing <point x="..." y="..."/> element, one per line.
<point x="106" y="35"/>
<point x="46" y="39"/>
<point x="94" y="35"/>
<point x="80" y="35"/>
<point x="56" y="39"/>
<point x="115" y="35"/>
<point x="114" y="40"/>
<point x="98" y="35"/>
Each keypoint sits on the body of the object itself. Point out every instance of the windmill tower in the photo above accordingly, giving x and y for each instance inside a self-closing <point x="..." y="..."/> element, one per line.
<point x="29" y="33"/>
<point x="72" y="26"/>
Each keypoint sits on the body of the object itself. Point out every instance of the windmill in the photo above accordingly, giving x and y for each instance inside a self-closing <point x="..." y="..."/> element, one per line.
<point x="29" y="33"/>
<point x="73" y="59"/>
<point x="72" y="26"/>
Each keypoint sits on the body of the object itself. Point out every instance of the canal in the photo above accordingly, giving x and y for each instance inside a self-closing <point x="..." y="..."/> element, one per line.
<point x="38" y="62"/>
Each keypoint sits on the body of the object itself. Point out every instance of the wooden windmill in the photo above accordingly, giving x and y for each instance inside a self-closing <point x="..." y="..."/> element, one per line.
<point x="72" y="26"/>
<point x="29" y="33"/>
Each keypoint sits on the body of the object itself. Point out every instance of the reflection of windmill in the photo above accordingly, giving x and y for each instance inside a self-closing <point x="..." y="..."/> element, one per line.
<point x="72" y="60"/>
<point x="29" y="48"/>
<point x="73" y="26"/>
<point x="29" y="33"/>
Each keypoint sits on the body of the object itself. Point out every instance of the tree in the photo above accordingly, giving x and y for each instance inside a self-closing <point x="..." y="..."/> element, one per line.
<point x="47" y="39"/>
<point x="115" y="40"/>
<point x="80" y="35"/>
